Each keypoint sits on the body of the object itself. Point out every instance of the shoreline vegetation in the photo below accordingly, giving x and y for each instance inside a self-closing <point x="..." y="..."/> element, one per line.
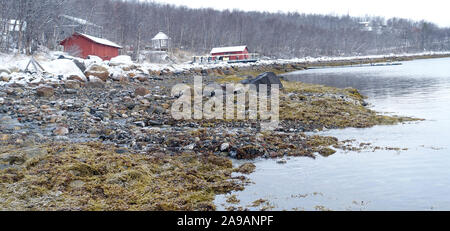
<point x="114" y="146"/>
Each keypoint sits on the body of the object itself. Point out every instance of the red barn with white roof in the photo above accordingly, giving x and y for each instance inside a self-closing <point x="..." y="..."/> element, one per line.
<point x="89" y="45"/>
<point x="230" y="53"/>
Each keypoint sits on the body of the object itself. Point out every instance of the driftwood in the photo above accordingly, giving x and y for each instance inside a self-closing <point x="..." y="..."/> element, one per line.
<point x="35" y="64"/>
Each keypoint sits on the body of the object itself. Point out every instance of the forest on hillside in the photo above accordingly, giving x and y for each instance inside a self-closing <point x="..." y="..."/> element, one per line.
<point x="25" y="25"/>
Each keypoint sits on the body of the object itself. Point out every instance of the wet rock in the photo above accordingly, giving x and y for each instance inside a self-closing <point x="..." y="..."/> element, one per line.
<point x="61" y="131"/>
<point x="249" y="152"/>
<point x="141" y="91"/>
<point x="153" y="123"/>
<point x="326" y="152"/>
<point x="45" y="91"/>
<point x="275" y="154"/>
<point x="281" y="161"/>
<point x="246" y="168"/>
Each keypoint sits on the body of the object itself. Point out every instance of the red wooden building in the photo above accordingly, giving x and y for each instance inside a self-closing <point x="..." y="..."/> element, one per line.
<point x="230" y="53"/>
<point x="84" y="45"/>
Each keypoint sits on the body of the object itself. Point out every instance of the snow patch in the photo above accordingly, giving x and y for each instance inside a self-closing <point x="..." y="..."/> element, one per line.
<point x="63" y="67"/>
<point x="121" y="59"/>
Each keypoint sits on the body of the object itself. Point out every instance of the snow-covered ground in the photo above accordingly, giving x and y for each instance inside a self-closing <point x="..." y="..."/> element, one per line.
<point x="13" y="66"/>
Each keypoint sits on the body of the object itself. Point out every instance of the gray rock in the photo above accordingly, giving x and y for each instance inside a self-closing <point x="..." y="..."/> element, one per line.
<point x="140" y="124"/>
<point x="224" y="147"/>
<point x="233" y="154"/>
<point x="80" y="65"/>
<point x="70" y="91"/>
<point x="153" y="123"/>
<point x="189" y="147"/>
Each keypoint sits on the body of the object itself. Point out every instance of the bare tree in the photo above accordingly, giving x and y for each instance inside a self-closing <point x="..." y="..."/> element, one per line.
<point x="133" y="23"/>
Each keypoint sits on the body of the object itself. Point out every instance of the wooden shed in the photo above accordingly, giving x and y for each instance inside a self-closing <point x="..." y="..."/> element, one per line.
<point x="230" y="53"/>
<point x="83" y="45"/>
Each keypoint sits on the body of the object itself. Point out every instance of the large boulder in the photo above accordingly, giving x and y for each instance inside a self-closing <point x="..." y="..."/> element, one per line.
<point x="64" y="67"/>
<point x="121" y="59"/>
<point x="266" y="78"/>
<point x="98" y="71"/>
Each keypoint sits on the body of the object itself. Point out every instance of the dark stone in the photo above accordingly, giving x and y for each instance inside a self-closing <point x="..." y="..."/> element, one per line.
<point x="80" y="65"/>
<point x="266" y="78"/>
<point x="153" y="123"/>
<point x="121" y="151"/>
<point x="70" y="91"/>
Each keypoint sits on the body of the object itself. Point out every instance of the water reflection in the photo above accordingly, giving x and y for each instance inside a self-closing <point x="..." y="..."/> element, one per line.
<point x="415" y="179"/>
<point x="378" y="81"/>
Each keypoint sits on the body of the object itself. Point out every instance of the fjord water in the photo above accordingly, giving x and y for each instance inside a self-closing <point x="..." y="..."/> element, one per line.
<point x="414" y="179"/>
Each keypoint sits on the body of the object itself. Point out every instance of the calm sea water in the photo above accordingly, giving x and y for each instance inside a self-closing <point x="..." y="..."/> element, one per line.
<point x="415" y="179"/>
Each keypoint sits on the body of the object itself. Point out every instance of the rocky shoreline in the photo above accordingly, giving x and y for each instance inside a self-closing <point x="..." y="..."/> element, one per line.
<point x="100" y="142"/>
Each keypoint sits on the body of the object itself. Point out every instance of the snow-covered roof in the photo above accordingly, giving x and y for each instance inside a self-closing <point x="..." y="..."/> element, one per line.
<point x="160" y="36"/>
<point x="227" y="49"/>
<point x="100" y="40"/>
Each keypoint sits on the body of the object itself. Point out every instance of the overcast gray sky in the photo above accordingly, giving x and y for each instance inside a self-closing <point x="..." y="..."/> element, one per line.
<point x="437" y="11"/>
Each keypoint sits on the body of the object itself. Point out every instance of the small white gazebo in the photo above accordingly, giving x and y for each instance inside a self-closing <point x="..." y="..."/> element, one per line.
<point x="161" y="42"/>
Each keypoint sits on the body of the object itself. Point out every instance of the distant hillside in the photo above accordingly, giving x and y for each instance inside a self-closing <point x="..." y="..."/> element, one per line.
<point x="134" y="23"/>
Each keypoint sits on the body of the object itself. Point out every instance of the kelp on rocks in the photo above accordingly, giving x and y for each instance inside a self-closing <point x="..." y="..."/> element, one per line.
<point x="93" y="176"/>
<point x="330" y="107"/>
